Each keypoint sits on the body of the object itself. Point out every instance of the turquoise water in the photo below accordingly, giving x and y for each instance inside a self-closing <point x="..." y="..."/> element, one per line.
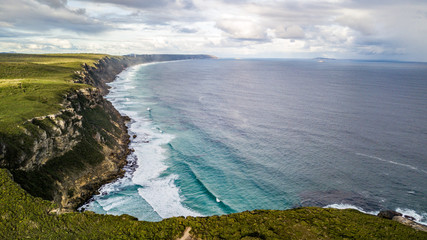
<point x="223" y="136"/>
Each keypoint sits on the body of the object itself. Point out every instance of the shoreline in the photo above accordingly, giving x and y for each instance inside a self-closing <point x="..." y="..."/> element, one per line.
<point x="102" y="82"/>
<point x="146" y="139"/>
<point x="128" y="166"/>
<point x="356" y="207"/>
<point x="88" y="125"/>
<point x="65" y="155"/>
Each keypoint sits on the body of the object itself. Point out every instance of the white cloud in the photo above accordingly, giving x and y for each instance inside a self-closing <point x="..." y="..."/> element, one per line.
<point x="394" y="29"/>
<point x="361" y="21"/>
<point x="59" y="43"/>
<point x="244" y="29"/>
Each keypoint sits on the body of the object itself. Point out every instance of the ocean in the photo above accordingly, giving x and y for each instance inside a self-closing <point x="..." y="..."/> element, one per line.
<point x="219" y="136"/>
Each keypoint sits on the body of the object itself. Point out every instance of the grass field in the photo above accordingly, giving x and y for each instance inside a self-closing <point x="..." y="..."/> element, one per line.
<point x="34" y="85"/>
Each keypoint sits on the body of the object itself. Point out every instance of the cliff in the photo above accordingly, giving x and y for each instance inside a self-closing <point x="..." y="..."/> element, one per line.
<point x="65" y="157"/>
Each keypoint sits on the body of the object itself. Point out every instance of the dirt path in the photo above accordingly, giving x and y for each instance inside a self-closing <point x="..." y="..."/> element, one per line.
<point x="186" y="235"/>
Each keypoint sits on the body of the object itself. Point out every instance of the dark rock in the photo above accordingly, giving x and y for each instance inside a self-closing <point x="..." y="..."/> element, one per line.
<point x="409" y="217"/>
<point x="134" y="136"/>
<point x="388" y="214"/>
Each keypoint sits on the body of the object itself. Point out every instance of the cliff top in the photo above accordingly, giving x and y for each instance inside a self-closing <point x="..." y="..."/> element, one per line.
<point x="32" y="85"/>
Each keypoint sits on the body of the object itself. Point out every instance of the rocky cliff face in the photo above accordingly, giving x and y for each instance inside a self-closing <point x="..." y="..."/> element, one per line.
<point x="47" y="137"/>
<point x="65" y="157"/>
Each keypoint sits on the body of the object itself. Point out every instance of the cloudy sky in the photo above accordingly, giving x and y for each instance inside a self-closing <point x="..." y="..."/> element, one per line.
<point x="362" y="29"/>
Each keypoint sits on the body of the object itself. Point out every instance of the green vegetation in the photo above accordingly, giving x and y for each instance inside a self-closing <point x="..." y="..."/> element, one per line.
<point x="34" y="85"/>
<point x="24" y="216"/>
<point x="24" y="99"/>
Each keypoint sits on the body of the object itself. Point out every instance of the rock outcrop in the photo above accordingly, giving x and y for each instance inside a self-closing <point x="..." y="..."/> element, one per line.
<point x="403" y="219"/>
<point x="388" y="214"/>
<point x="410" y="223"/>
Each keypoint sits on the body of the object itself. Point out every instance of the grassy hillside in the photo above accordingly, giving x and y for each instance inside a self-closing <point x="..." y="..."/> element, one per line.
<point x="33" y="85"/>
<point x="23" y="216"/>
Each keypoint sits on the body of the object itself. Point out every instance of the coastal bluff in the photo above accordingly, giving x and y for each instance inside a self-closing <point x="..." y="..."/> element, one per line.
<point x="66" y="156"/>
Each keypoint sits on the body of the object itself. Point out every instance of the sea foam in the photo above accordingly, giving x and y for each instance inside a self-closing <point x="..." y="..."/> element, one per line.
<point x="157" y="190"/>
<point x="419" y="217"/>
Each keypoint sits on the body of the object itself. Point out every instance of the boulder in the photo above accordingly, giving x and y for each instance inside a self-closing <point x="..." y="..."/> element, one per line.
<point x="388" y="214"/>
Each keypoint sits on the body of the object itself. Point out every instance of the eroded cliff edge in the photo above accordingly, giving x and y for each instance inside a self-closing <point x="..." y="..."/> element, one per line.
<point x="65" y="157"/>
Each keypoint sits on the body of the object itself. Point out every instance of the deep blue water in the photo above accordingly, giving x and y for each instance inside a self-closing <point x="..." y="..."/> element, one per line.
<point x="222" y="136"/>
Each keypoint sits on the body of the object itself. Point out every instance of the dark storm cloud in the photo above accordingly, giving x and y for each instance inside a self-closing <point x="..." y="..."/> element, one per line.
<point x="54" y="3"/>
<point x="187" y="30"/>
<point x="45" y="15"/>
<point x="148" y="4"/>
<point x="6" y="33"/>
<point x="134" y="3"/>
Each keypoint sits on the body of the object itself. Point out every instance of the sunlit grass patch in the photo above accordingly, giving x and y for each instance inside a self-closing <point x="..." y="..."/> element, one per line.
<point x="24" y="99"/>
<point x="33" y="85"/>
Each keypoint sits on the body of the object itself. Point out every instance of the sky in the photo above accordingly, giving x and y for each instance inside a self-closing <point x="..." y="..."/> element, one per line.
<point x="345" y="29"/>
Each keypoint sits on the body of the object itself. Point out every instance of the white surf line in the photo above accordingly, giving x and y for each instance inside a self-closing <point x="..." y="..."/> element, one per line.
<point x="160" y="192"/>
<point x="392" y="162"/>
<point x="419" y="218"/>
<point x="349" y="206"/>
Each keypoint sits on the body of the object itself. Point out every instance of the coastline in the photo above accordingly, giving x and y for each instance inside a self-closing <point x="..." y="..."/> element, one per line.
<point x="372" y="213"/>
<point x="65" y="155"/>
<point x="105" y="72"/>
<point x="128" y="166"/>
<point x="145" y="164"/>
<point x="83" y="117"/>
